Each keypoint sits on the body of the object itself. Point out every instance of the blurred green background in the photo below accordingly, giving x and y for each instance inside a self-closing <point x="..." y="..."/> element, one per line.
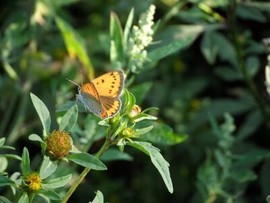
<point x="209" y="84"/>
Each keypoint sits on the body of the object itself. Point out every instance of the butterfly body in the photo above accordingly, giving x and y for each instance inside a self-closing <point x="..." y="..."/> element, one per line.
<point x="101" y="96"/>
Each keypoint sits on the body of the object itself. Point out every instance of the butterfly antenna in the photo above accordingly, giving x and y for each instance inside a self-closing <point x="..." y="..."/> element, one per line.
<point x="73" y="82"/>
<point x="81" y="77"/>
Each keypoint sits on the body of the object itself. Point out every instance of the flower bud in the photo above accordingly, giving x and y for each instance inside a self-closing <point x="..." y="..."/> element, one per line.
<point x="33" y="181"/>
<point x="59" y="143"/>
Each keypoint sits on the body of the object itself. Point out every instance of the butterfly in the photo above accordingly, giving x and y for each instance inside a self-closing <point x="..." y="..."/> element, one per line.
<point x="101" y="95"/>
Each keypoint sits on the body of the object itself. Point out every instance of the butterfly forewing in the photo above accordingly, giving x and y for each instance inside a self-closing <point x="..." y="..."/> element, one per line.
<point x="109" y="84"/>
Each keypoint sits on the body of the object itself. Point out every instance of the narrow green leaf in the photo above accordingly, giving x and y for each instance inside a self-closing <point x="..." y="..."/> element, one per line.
<point x="75" y="45"/>
<point x="57" y="182"/>
<point x="69" y="119"/>
<point x="4" y="181"/>
<point x="87" y="160"/>
<point x="208" y="47"/>
<point x="25" y="164"/>
<point x="4" y="164"/>
<point x="4" y="200"/>
<point x="116" y="35"/>
<point x="51" y="194"/>
<point x="141" y="131"/>
<point x="2" y="141"/>
<point x="98" y="198"/>
<point x="157" y="159"/>
<point x="163" y="134"/>
<point x="43" y="113"/>
<point x="129" y="101"/>
<point x="37" y="138"/>
<point x="115" y="154"/>
<point x="175" y="38"/>
<point x="24" y="198"/>
<point x="143" y="116"/>
<point x="128" y="27"/>
<point x="47" y="168"/>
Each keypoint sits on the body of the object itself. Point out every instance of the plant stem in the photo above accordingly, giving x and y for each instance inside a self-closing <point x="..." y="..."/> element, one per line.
<point x="240" y="55"/>
<point x="77" y="182"/>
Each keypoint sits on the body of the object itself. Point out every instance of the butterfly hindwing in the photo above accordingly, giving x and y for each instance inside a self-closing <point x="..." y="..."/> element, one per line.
<point x="110" y="84"/>
<point x="89" y="97"/>
<point x="110" y="105"/>
<point x="101" y="96"/>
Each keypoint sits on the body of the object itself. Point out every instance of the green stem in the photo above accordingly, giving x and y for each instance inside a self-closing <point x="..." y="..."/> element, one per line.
<point x="240" y="55"/>
<point x="77" y="182"/>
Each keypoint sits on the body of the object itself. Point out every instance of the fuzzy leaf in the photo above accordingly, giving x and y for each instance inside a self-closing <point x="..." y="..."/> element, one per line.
<point x="157" y="159"/>
<point x="87" y="160"/>
<point x="25" y="164"/>
<point x="56" y="182"/>
<point x="43" y="113"/>
<point x="69" y="119"/>
<point x="98" y="198"/>
<point x="47" y="168"/>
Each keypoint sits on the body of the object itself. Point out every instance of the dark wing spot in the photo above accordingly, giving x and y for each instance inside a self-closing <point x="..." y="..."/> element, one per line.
<point x="102" y="81"/>
<point x="111" y="74"/>
<point x="97" y="83"/>
<point x="112" y="86"/>
<point x="113" y="82"/>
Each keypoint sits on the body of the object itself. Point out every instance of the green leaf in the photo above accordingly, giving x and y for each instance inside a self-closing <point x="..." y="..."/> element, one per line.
<point x="163" y="134"/>
<point x="87" y="160"/>
<point x="2" y="141"/>
<point x="4" y="164"/>
<point x="25" y="164"/>
<point x="252" y="65"/>
<point x="226" y="49"/>
<point x="157" y="159"/>
<point x="209" y="48"/>
<point x="4" y="200"/>
<point x="141" y="131"/>
<point x="51" y="194"/>
<point x="129" y="101"/>
<point x="250" y="13"/>
<point x="128" y="28"/>
<point x="69" y="119"/>
<point x="228" y="73"/>
<point x="66" y="106"/>
<point x="56" y="182"/>
<point x="24" y="198"/>
<point x="141" y="90"/>
<point x="174" y="39"/>
<point x="47" y="168"/>
<point x="98" y="198"/>
<point x="37" y="138"/>
<point x="43" y="113"/>
<point x="142" y="116"/>
<point x="251" y="123"/>
<point x="114" y="154"/>
<point x="75" y="45"/>
<point x="116" y="35"/>
<point x="5" y="181"/>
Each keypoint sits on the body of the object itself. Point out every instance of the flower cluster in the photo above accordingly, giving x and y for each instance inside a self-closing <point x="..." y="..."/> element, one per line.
<point x="33" y="181"/>
<point x="141" y="37"/>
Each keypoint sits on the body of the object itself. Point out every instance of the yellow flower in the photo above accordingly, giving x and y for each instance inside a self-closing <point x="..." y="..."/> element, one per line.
<point x="33" y="181"/>
<point x="128" y="133"/>
<point x="59" y="144"/>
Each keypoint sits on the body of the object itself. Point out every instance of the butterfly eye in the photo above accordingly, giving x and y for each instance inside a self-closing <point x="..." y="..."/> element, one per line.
<point x="79" y="88"/>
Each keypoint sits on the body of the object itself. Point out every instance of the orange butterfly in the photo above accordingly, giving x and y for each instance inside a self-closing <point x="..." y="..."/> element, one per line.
<point x="101" y="95"/>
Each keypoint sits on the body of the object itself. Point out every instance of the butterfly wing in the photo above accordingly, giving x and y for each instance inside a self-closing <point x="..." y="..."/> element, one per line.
<point x="110" y="84"/>
<point x="89" y="97"/>
<point x="110" y="106"/>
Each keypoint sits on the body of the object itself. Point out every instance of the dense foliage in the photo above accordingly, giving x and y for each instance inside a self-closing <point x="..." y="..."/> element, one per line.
<point x="200" y="62"/>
